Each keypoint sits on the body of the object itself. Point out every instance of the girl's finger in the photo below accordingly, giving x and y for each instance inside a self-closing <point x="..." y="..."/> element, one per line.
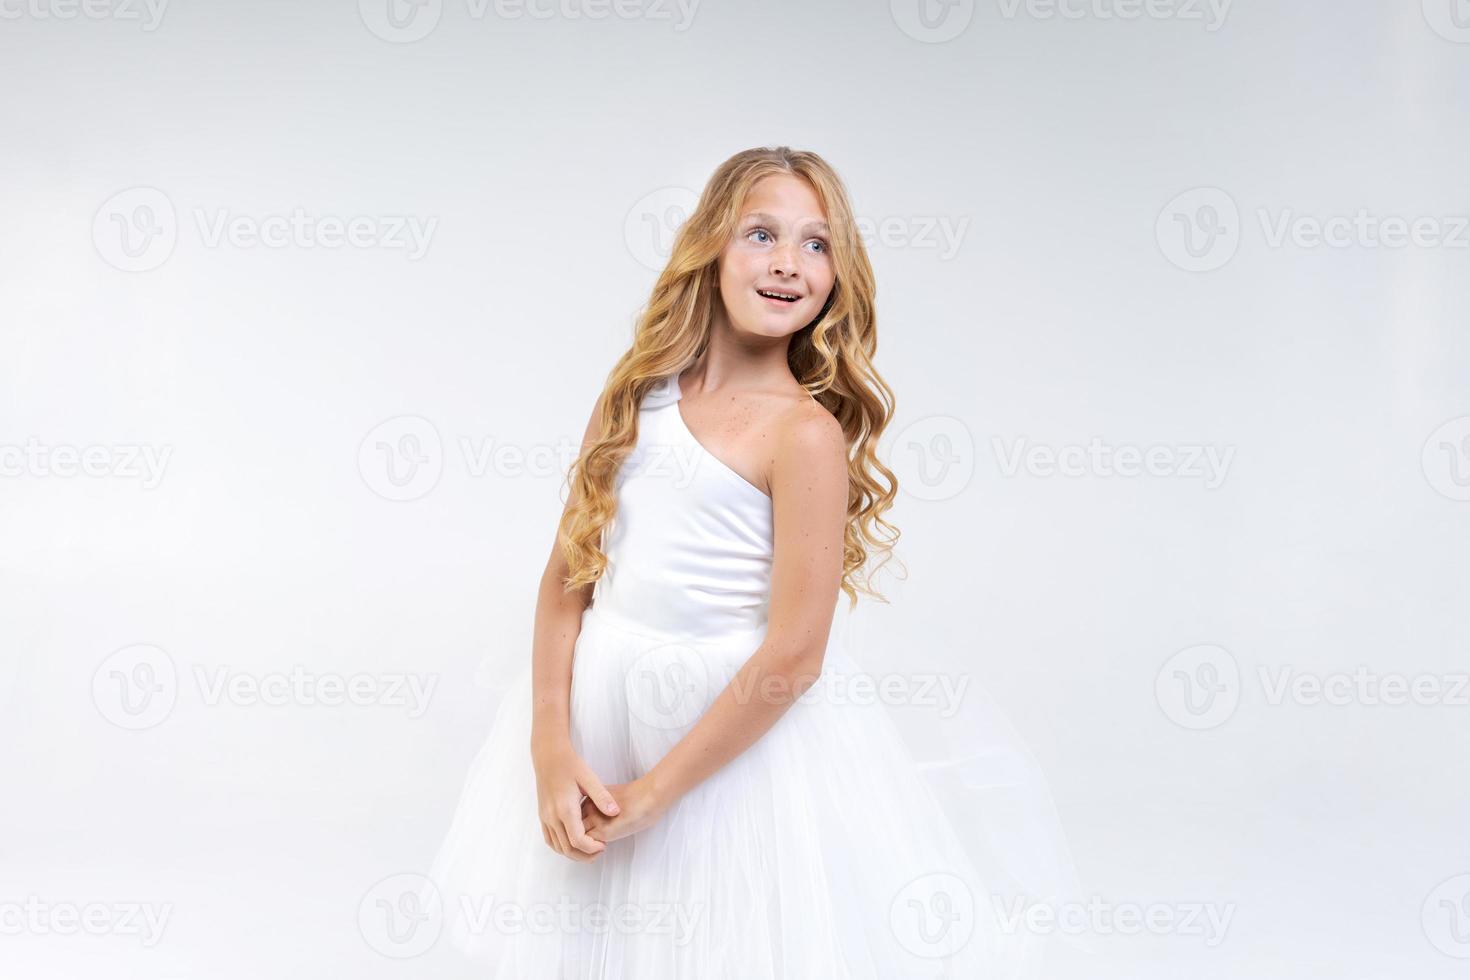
<point x="598" y="793"/>
<point x="593" y="824"/>
<point x="578" y="837"/>
<point x="562" y="844"/>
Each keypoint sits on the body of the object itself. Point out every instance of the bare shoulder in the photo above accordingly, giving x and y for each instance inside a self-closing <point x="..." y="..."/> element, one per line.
<point x="809" y="439"/>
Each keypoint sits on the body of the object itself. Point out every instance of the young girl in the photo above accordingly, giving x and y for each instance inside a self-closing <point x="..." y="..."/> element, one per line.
<point x="706" y="794"/>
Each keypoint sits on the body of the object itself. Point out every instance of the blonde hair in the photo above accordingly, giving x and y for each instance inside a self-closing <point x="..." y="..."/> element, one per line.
<point x="831" y="357"/>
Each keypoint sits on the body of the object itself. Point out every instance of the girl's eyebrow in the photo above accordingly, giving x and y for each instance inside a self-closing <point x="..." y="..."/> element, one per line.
<point x="820" y="226"/>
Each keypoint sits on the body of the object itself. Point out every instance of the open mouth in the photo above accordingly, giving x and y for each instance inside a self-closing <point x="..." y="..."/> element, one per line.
<point x="776" y="296"/>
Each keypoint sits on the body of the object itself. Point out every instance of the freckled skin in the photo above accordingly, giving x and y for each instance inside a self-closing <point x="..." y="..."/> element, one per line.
<point x="740" y="431"/>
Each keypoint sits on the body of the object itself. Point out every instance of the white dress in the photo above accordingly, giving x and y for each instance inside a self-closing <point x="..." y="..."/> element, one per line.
<point x="840" y="845"/>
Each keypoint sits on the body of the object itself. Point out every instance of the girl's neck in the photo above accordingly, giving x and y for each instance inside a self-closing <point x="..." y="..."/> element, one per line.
<point x="730" y="364"/>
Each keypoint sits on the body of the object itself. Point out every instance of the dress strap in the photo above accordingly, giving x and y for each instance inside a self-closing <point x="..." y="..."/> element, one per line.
<point x="664" y="392"/>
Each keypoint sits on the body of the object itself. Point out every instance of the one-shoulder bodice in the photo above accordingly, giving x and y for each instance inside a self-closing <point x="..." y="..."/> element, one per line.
<point x="690" y="547"/>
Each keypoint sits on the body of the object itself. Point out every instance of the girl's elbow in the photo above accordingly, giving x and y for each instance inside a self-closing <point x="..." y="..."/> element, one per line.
<point x="801" y="662"/>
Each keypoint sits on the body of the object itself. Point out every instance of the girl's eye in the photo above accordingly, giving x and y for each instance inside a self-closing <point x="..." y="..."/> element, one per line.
<point x="762" y="231"/>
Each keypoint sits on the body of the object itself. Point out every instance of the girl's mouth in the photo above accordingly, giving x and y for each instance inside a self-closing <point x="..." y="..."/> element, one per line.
<point x="776" y="297"/>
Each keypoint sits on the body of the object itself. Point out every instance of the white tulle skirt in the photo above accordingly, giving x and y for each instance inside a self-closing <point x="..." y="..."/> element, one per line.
<point x="868" y="834"/>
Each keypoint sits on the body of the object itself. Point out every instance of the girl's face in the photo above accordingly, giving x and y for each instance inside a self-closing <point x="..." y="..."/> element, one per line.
<point x="781" y="245"/>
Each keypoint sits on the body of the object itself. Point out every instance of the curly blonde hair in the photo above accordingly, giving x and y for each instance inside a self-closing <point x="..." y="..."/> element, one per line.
<point x="832" y="358"/>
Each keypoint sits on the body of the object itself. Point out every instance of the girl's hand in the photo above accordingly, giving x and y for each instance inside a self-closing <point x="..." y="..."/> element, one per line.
<point x="641" y="804"/>
<point x="562" y="779"/>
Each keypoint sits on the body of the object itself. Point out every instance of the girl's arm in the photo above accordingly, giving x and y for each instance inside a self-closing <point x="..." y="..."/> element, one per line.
<point x="809" y="485"/>
<point x="561" y="776"/>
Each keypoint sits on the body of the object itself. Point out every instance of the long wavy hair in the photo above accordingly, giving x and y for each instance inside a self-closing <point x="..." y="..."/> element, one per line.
<point x="832" y="358"/>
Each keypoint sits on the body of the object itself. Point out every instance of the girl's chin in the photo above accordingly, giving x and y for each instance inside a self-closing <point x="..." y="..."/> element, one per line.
<point x="767" y="328"/>
<point x="773" y="316"/>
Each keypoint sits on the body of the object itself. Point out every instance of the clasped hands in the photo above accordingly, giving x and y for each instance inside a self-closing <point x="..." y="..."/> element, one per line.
<point x="580" y="816"/>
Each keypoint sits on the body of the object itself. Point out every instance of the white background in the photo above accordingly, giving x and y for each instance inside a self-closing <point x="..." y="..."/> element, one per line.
<point x="1115" y="190"/>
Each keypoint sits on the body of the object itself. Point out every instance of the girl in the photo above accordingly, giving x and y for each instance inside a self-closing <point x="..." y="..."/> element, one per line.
<point x="705" y="795"/>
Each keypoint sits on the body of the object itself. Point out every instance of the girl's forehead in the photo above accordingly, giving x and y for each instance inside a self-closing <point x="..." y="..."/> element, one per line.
<point x="784" y="187"/>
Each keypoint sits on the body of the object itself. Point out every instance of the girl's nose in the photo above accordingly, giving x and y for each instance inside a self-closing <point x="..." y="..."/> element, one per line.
<point x="783" y="261"/>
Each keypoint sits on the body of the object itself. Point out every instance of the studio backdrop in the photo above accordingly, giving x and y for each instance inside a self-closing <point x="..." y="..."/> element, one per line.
<point x="304" y="306"/>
